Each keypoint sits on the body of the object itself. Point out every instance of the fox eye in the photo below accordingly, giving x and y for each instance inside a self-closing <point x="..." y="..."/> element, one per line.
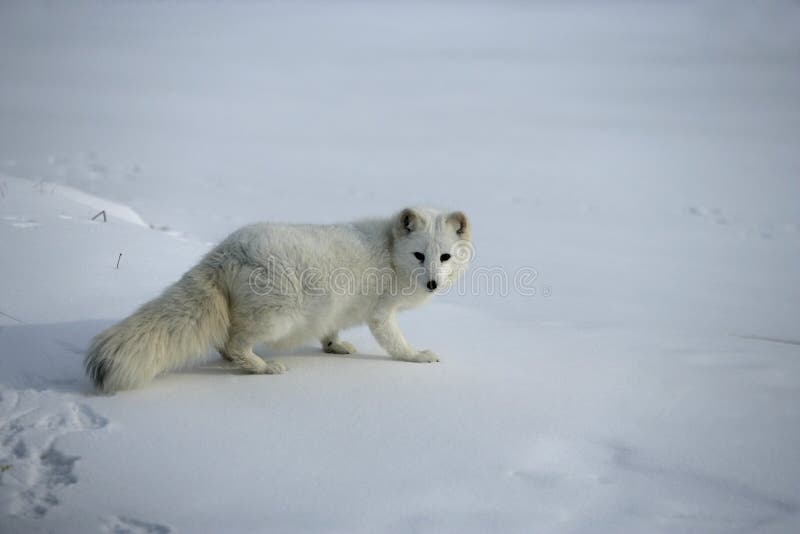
<point x="444" y="257"/>
<point x="420" y="256"/>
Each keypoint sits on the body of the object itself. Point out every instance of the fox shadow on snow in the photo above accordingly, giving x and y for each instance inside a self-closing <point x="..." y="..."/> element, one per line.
<point x="50" y="356"/>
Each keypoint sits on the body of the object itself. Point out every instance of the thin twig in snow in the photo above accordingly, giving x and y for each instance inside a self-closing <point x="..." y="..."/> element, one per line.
<point x="12" y="318"/>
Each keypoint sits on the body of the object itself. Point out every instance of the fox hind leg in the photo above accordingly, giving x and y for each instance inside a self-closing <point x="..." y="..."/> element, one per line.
<point x="239" y="350"/>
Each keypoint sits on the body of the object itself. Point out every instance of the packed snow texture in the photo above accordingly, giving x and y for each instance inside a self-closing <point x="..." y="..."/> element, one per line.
<point x="639" y="161"/>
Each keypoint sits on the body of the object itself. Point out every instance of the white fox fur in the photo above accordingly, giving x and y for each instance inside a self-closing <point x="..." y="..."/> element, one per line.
<point x="283" y="284"/>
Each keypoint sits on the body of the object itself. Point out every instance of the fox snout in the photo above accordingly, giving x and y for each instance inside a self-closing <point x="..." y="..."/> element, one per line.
<point x="431" y="285"/>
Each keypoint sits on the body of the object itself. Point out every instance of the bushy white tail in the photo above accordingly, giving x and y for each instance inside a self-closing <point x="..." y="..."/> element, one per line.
<point x="166" y="333"/>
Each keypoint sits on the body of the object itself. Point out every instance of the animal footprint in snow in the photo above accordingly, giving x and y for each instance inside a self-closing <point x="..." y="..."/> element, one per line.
<point x="126" y="525"/>
<point x="34" y="469"/>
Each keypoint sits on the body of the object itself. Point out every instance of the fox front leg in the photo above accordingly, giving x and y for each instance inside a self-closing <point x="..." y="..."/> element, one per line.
<point x="332" y="345"/>
<point x="388" y="335"/>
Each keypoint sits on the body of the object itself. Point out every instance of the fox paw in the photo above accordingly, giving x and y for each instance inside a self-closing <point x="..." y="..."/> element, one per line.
<point x="274" y="368"/>
<point x="422" y="356"/>
<point x="338" y="347"/>
<point x="267" y="367"/>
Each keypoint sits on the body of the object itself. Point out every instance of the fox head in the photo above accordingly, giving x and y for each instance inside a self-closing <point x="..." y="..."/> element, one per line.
<point x="430" y="249"/>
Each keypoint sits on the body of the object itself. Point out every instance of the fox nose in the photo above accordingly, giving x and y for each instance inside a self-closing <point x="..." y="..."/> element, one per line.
<point x="431" y="285"/>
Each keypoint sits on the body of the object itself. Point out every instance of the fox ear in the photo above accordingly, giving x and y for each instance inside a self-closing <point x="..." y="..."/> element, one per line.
<point x="408" y="221"/>
<point x="459" y="222"/>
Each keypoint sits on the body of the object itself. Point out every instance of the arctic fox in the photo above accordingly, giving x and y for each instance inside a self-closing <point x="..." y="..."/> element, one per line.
<point x="283" y="284"/>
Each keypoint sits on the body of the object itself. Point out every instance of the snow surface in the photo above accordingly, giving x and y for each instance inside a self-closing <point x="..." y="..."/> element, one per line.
<point x="641" y="157"/>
